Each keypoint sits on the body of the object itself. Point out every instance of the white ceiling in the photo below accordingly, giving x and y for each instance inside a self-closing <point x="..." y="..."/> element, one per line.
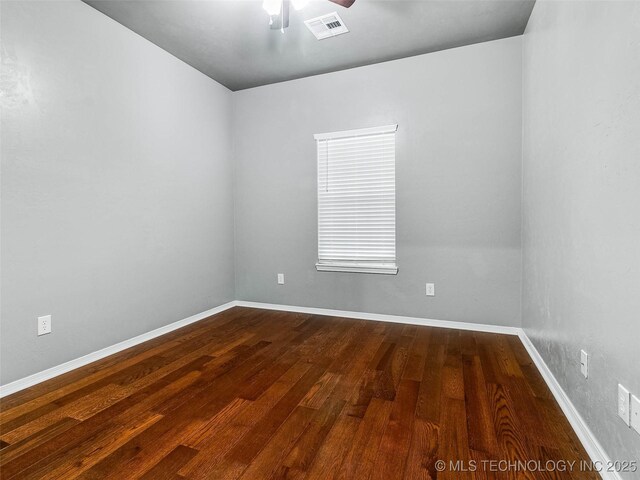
<point x="230" y="40"/>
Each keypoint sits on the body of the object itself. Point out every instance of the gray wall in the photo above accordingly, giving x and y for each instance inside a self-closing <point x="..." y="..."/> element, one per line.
<point x="117" y="205"/>
<point x="581" y="230"/>
<point x="458" y="184"/>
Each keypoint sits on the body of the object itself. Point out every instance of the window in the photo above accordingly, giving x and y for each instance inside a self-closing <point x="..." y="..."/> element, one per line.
<point x="357" y="201"/>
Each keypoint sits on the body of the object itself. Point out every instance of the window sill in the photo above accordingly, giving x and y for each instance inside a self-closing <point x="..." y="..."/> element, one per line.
<point x="382" y="269"/>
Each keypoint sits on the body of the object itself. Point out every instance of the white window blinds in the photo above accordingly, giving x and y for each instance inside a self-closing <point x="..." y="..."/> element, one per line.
<point x="357" y="201"/>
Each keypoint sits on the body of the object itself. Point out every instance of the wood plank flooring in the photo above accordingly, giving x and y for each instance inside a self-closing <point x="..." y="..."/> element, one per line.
<point x="255" y="394"/>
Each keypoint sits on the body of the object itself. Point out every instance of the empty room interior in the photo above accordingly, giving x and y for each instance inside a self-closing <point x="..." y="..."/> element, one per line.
<point x="320" y="239"/>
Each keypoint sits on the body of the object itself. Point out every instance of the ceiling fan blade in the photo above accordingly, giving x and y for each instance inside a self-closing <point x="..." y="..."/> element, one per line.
<point x="281" y="21"/>
<point x="344" y="3"/>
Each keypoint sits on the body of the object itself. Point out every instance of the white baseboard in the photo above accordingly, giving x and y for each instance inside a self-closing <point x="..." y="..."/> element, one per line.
<point x="378" y="317"/>
<point x="595" y="451"/>
<point x="589" y="441"/>
<point x="52" y="372"/>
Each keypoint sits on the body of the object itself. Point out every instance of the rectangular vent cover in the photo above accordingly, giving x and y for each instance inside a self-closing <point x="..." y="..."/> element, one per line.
<point x="326" y="26"/>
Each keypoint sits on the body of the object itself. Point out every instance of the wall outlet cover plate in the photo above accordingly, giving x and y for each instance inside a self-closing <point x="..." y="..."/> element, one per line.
<point x="623" y="403"/>
<point x="635" y="413"/>
<point x="44" y="325"/>
<point x="584" y="363"/>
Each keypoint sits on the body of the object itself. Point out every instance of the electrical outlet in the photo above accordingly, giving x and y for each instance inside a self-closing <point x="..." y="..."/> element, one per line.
<point x="635" y="413"/>
<point x="584" y="363"/>
<point x="281" y="279"/>
<point x="44" y="325"/>
<point x="431" y="290"/>
<point x="623" y="404"/>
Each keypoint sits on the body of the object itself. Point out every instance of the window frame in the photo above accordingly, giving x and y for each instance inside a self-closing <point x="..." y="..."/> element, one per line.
<point x="356" y="266"/>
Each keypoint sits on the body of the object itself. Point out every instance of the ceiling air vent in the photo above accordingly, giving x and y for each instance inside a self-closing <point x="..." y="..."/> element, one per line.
<point x="326" y="26"/>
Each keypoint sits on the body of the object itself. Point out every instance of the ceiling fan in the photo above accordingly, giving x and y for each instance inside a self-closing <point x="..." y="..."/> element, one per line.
<point x="278" y="10"/>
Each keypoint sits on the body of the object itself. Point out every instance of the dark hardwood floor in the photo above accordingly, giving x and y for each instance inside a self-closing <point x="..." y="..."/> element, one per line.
<point x="255" y="394"/>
